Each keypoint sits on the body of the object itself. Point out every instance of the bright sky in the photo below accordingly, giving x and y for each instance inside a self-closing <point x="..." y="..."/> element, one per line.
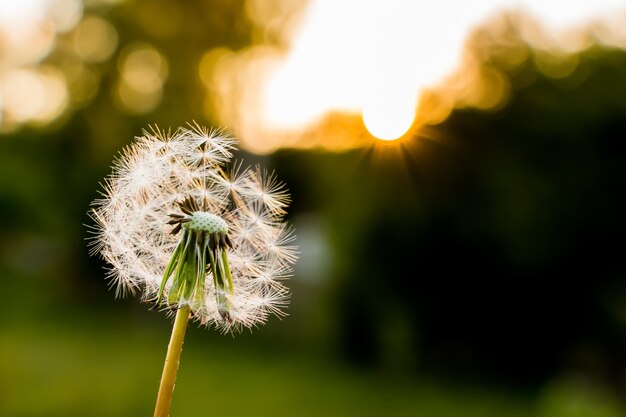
<point x="368" y="57"/>
<point x="374" y="56"/>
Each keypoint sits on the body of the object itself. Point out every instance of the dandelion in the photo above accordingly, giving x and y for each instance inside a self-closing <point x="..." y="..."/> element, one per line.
<point x="192" y="236"/>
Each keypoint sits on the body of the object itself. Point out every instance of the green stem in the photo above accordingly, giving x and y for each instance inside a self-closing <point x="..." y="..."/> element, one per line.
<point x="172" y="359"/>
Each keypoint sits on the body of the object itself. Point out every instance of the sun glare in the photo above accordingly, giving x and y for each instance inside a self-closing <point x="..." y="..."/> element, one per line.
<point x="375" y="60"/>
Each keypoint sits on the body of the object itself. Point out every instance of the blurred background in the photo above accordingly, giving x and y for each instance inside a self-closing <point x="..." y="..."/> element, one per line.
<point x="457" y="172"/>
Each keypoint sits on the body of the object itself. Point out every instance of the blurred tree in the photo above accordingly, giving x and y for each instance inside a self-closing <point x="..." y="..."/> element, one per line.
<point x="492" y="245"/>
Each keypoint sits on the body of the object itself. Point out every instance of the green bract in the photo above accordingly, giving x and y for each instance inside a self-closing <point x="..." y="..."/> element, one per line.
<point x="201" y="249"/>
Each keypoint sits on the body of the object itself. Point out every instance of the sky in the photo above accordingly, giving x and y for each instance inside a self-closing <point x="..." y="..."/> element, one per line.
<point x="374" y="57"/>
<point x="367" y="57"/>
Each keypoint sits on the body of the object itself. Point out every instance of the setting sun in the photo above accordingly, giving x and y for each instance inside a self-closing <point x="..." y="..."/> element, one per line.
<point x="389" y="116"/>
<point x="372" y="62"/>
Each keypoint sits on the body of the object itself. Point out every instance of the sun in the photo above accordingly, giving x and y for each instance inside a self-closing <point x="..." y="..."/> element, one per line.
<point x="389" y="118"/>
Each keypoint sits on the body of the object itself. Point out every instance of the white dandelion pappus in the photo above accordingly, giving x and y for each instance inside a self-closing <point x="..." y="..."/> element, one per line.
<point x="180" y="227"/>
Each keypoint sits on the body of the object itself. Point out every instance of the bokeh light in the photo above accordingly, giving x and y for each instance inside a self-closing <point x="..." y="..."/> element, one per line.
<point x="32" y="92"/>
<point x="143" y="70"/>
<point x="33" y="96"/>
<point x="95" y="39"/>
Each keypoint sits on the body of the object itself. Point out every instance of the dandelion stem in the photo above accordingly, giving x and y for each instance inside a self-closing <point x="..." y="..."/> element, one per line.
<point x="172" y="359"/>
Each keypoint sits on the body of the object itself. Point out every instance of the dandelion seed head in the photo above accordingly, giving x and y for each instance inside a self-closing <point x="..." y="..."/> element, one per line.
<point x="174" y="192"/>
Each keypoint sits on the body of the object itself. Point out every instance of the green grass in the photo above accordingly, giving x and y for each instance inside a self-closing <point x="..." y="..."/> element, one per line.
<point x="91" y="368"/>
